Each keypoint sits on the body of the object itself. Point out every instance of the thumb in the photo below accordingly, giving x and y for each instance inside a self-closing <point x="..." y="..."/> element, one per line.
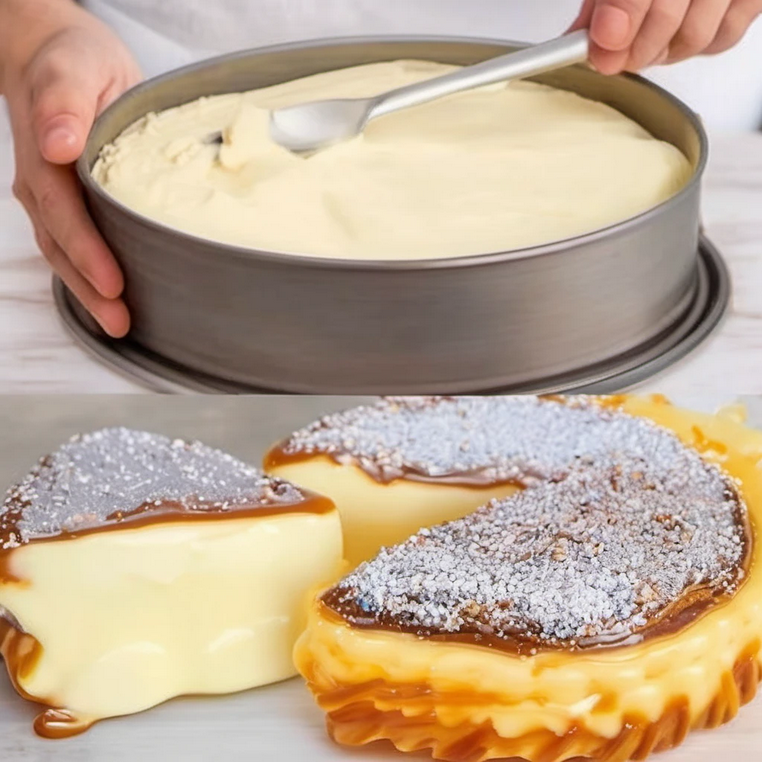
<point x="63" y="109"/>
<point x="614" y="24"/>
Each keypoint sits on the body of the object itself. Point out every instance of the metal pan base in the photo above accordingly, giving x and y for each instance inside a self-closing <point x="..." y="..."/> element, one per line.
<point x="615" y="375"/>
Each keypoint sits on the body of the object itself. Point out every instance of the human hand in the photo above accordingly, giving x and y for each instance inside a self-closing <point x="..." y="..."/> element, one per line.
<point x="630" y="35"/>
<point x="54" y="91"/>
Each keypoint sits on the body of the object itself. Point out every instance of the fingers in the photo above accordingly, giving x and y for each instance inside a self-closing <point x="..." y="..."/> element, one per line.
<point x="699" y="28"/>
<point x="662" y="23"/>
<point x="111" y="314"/>
<point x="118" y="85"/>
<point x="614" y="24"/>
<point x="63" y="213"/>
<point x="64" y="94"/>
<point x="53" y="101"/>
<point x="608" y="62"/>
<point x="740" y="16"/>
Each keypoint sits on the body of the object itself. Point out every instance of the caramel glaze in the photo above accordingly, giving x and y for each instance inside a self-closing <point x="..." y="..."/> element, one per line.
<point x="484" y="478"/>
<point x="478" y="479"/>
<point x="22" y="651"/>
<point x="690" y="606"/>
<point x="150" y="513"/>
<point x="354" y="719"/>
<point x="281" y="455"/>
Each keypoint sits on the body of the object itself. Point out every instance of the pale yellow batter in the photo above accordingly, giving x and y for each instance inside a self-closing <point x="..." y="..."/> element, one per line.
<point x="504" y="167"/>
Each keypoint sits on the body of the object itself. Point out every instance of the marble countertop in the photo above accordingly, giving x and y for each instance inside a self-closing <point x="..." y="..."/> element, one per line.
<point x="38" y="356"/>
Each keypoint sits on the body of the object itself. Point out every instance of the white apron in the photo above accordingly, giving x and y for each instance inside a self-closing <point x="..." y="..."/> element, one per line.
<point x="726" y="90"/>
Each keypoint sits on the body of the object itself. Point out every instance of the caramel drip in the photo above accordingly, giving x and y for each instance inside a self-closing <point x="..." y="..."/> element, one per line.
<point x="59" y="723"/>
<point x="172" y="512"/>
<point x="21" y="653"/>
<point x="353" y="719"/>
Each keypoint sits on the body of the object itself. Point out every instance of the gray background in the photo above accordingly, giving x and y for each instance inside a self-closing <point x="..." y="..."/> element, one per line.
<point x="32" y="426"/>
<point x="277" y="722"/>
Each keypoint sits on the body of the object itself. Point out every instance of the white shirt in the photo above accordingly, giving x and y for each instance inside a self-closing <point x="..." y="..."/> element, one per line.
<point x="726" y="90"/>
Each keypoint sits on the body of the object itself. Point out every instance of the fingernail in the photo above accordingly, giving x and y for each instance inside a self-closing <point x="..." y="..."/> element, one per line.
<point x="116" y="319"/>
<point x="99" y="320"/>
<point x="62" y="136"/>
<point x="111" y="334"/>
<point x="611" y="27"/>
<point x="58" y="139"/>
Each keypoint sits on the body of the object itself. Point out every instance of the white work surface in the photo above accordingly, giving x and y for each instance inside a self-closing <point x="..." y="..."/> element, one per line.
<point x="37" y="355"/>
<point x="276" y="722"/>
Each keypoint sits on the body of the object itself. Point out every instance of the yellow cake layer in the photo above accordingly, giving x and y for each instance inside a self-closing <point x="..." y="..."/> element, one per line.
<point x="374" y="514"/>
<point x="128" y="618"/>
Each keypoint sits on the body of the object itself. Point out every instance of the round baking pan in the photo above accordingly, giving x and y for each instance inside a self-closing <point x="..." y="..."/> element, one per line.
<point x="712" y="296"/>
<point x="272" y="320"/>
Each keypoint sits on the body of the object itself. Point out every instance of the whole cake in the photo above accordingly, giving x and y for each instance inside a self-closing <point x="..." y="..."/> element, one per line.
<point x="605" y="607"/>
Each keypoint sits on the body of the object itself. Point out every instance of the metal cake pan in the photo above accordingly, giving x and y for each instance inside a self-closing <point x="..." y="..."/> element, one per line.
<point x="293" y="323"/>
<point x="616" y="374"/>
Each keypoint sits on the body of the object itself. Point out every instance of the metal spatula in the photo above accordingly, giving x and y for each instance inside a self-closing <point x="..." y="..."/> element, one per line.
<point x="311" y="126"/>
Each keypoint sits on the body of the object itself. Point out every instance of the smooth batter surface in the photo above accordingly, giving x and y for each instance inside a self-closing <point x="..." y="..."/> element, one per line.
<point x="504" y="167"/>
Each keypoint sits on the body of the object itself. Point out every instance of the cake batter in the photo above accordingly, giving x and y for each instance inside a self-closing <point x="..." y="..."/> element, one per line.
<point x="499" y="168"/>
<point x="62" y="62"/>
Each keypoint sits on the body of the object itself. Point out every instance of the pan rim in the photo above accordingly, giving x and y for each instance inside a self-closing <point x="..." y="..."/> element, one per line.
<point x="305" y="261"/>
<point x="702" y="319"/>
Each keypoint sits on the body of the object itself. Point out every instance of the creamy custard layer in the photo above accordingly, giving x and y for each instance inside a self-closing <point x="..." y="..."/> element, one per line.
<point x="135" y="568"/>
<point x="373" y="514"/>
<point x="500" y="168"/>
<point x="129" y="618"/>
<point x="466" y="701"/>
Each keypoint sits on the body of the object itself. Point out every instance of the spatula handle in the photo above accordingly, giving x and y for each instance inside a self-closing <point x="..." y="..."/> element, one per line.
<point x="555" y="54"/>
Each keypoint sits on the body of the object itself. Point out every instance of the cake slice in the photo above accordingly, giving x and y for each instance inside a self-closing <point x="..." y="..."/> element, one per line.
<point x="135" y="568"/>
